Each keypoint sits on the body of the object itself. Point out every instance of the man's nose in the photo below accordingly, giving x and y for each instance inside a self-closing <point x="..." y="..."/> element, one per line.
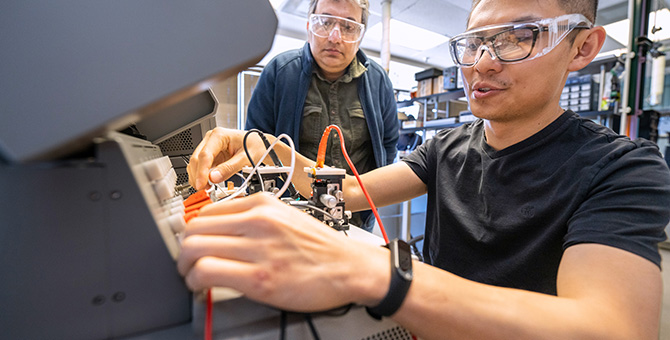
<point x="482" y="50"/>
<point x="483" y="64"/>
<point x="335" y="35"/>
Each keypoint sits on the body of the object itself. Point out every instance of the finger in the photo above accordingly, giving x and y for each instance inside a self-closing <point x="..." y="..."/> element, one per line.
<point x="225" y="247"/>
<point x="205" y="161"/>
<point x="228" y="168"/>
<point x="232" y="224"/>
<point x="196" y="161"/>
<point x="216" y="272"/>
<point x="238" y="205"/>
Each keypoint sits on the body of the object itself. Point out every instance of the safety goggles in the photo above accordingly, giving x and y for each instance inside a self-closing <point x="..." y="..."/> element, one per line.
<point x="514" y="42"/>
<point x="322" y="25"/>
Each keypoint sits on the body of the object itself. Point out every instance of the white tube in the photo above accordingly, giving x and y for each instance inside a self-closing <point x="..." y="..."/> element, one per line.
<point x="657" y="80"/>
<point x="386" y="35"/>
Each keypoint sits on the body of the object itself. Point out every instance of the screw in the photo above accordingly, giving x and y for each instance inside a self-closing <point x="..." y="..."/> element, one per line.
<point x="98" y="300"/>
<point x="94" y="196"/>
<point x="115" y="195"/>
<point x="119" y="296"/>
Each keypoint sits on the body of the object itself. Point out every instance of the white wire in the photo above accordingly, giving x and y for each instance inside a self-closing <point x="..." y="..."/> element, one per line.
<point x="287" y="182"/>
<point x="243" y="187"/>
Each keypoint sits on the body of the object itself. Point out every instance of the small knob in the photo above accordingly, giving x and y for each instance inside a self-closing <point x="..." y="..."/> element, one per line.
<point x="329" y="201"/>
<point x="338" y="194"/>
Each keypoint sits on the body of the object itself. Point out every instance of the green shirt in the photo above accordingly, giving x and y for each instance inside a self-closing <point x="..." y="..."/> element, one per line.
<point x="337" y="103"/>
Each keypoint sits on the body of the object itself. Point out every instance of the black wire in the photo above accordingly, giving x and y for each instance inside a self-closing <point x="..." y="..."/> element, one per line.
<point x="315" y="334"/>
<point x="246" y="151"/>
<point x="244" y="143"/>
<point x="412" y="243"/>
<point x="282" y="325"/>
<point x="311" y="206"/>
<point x="335" y="312"/>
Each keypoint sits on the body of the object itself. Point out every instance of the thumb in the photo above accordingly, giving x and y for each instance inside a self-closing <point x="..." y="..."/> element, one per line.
<point x="228" y="168"/>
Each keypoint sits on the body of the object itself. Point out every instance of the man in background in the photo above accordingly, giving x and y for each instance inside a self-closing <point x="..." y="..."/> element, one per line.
<point x="330" y="81"/>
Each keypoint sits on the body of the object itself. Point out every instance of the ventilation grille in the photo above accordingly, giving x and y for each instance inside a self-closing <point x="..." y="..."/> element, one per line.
<point x="396" y="333"/>
<point x="182" y="178"/>
<point x="181" y="143"/>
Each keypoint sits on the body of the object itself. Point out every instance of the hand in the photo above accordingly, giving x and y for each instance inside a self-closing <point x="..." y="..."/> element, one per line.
<point x="222" y="152"/>
<point x="278" y="255"/>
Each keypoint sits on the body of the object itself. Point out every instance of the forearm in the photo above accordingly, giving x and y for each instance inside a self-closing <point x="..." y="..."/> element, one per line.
<point x="386" y="185"/>
<point x="353" y="195"/>
<point x="603" y="293"/>
<point x="462" y="309"/>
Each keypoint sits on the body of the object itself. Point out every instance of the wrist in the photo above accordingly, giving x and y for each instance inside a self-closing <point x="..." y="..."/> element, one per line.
<point x="370" y="278"/>
<point x="401" y="278"/>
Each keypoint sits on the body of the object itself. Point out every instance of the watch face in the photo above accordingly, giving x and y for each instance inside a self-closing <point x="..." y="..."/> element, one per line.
<point x="404" y="257"/>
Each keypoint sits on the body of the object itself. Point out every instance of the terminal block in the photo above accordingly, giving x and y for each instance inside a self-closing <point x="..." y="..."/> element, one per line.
<point x="270" y="177"/>
<point x="327" y="197"/>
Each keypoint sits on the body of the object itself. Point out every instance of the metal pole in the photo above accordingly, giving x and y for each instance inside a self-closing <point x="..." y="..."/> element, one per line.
<point x="601" y="94"/>
<point x="385" y="52"/>
<point x="406" y="220"/>
<point x="625" y="109"/>
<point x="638" y="14"/>
<point x="643" y="28"/>
<point x="240" y="101"/>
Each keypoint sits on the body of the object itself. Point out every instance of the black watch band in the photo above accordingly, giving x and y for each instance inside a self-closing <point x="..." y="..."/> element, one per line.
<point x="401" y="279"/>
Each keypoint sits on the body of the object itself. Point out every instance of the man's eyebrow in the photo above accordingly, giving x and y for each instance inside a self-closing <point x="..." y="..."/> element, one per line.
<point x="526" y="18"/>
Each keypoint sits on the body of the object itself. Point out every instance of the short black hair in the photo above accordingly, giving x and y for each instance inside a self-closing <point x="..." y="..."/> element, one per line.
<point x="587" y="8"/>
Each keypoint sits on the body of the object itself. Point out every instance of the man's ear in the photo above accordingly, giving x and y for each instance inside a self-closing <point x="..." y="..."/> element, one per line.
<point x="587" y="45"/>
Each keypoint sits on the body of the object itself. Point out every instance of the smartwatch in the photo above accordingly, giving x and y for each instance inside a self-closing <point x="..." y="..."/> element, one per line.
<point x="401" y="279"/>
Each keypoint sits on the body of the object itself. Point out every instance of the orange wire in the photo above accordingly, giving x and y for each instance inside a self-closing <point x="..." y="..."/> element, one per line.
<point x="321" y="153"/>
<point x="320" y="159"/>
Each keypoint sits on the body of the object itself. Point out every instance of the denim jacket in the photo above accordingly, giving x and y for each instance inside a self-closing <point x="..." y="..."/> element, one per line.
<point x="278" y="100"/>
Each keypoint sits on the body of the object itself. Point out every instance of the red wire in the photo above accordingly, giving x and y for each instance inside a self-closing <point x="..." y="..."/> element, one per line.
<point x="208" y="316"/>
<point x="321" y="156"/>
<point x="319" y="163"/>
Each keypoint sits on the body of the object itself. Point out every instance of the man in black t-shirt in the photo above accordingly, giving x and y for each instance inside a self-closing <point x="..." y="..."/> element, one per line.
<point x="560" y="187"/>
<point x="539" y="225"/>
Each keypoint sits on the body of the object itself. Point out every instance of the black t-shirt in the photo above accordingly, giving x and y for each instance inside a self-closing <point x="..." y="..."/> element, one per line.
<point x="505" y="217"/>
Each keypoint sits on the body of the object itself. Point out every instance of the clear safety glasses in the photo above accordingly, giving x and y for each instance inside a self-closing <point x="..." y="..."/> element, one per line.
<point x="514" y="42"/>
<point x="322" y="25"/>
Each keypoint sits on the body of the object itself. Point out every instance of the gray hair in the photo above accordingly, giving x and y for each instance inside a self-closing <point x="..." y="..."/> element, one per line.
<point x="363" y="4"/>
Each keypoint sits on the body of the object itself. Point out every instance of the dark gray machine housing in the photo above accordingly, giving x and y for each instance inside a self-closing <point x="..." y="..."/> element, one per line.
<point x="72" y="70"/>
<point x="81" y="256"/>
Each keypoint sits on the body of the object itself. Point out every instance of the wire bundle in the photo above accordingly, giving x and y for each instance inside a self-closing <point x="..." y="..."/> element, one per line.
<point x="244" y="185"/>
<point x="287" y="183"/>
